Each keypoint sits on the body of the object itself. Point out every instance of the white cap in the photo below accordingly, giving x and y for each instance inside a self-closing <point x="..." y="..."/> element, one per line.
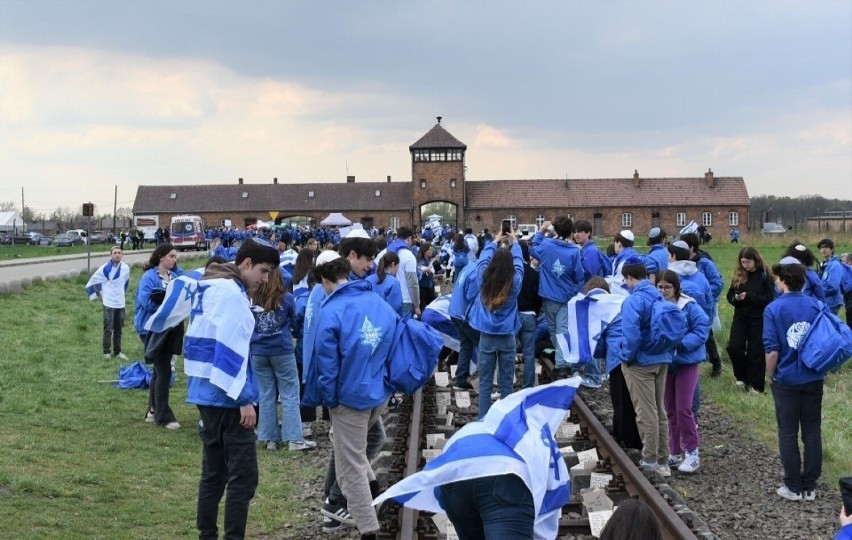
<point x="327" y="256"/>
<point x="358" y="233"/>
<point x="627" y="235"/>
<point x="680" y="244"/>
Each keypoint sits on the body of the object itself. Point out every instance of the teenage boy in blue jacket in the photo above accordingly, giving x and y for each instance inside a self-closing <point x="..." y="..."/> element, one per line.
<point x="354" y="335"/>
<point x="657" y="251"/>
<point x="645" y="372"/>
<point x="560" y="279"/>
<point x="831" y="274"/>
<point x="705" y="264"/>
<point x="221" y="385"/>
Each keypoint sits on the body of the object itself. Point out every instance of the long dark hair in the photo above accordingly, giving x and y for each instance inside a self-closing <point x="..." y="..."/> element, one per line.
<point x="388" y="259"/>
<point x="497" y="280"/>
<point x="159" y="252"/>
<point x="304" y="264"/>
<point x="740" y="274"/>
<point x="459" y="243"/>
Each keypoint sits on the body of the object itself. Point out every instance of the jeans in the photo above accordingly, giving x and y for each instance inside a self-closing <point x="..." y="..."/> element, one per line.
<point x="495" y="351"/>
<point x="113" y="323"/>
<point x="407" y="309"/>
<point x="745" y="349"/>
<point x="556" y="314"/>
<point x="468" y="341"/>
<point x="647" y="385"/>
<point x="158" y="390"/>
<point x="228" y="460"/>
<point x="492" y="507"/>
<point x="277" y="374"/>
<point x="375" y="442"/>
<point x="799" y="406"/>
<point x="680" y="389"/>
<point x="591" y="373"/>
<point x="527" y="336"/>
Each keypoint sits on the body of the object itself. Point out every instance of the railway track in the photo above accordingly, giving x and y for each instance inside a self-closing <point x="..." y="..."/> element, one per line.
<point x="422" y="414"/>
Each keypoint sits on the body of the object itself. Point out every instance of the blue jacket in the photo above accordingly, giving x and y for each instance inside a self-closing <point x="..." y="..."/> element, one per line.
<point x="505" y="319"/>
<point x="610" y="343"/>
<point x="144" y="307"/>
<point x="354" y="336"/>
<point x="714" y="278"/>
<point x="272" y="329"/>
<point x="560" y="270"/>
<point x="389" y="289"/>
<point x="845" y="533"/>
<point x="465" y="292"/>
<point x="813" y="286"/>
<point x="832" y="275"/>
<point x="636" y="326"/>
<point x="660" y="255"/>
<point x="695" y="285"/>
<point x="692" y="349"/>
<point x="200" y="391"/>
<point x="786" y="320"/>
<point x="300" y="302"/>
<point x="591" y="260"/>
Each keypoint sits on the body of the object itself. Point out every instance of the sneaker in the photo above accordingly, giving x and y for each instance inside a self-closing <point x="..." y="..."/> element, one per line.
<point x="149" y="417"/>
<point x="301" y="445"/>
<point x="306" y="429"/>
<point x="337" y="512"/>
<point x="664" y="471"/>
<point x="785" y="493"/>
<point x="674" y="461"/>
<point x="648" y="466"/>
<point x="806" y="495"/>
<point x="271" y="445"/>
<point x="107" y="356"/>
<point x="121" y="356"/>
<point x="172" y="425"/>
<point x="690" y="463"/>
<point x="740" y="385"/>
<point x="332" y="525"/>
<point x="463" y="385"/>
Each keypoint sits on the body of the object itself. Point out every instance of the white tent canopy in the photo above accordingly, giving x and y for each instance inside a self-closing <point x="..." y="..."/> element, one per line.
<point x="10" y="221"/>
<point x="336" y="219"/>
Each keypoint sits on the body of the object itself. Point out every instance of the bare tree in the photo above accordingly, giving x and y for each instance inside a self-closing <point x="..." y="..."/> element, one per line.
<point x="8" y="206"/>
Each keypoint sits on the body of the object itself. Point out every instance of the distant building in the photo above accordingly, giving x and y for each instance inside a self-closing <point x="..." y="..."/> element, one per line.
<point x="831" y="221"/>
<point x="438" y="185"/>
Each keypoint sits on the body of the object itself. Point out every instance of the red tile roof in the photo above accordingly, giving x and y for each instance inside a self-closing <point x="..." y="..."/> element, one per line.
<point x="605" y="192"/>
<point x="328" y="197"/>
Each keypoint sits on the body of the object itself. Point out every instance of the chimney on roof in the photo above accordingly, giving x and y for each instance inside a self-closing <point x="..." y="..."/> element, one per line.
<point x="350" y="179"/>
<point x="439" y="118"/>
<point x="388" y="178"/>
<point x="240" y="181"/>
<point x="708" y="176"/>
<point x="275" y="180"/>
<point x="636" y="178"/>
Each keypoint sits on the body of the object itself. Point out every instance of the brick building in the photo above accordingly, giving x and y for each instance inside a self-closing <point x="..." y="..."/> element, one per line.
<point x="438" y="186"/>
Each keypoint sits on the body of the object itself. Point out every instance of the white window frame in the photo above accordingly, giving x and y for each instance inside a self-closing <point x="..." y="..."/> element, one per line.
<point x="734" y="218"/>
<point x="707" y="219"/>
<point x="394" y="222"/>
<point x="514" y="219"/>
<point x="626" y="220"/>
<point x="539" y="220"/>
<point x="680" y="219"/>
<point x="378" y="193"/>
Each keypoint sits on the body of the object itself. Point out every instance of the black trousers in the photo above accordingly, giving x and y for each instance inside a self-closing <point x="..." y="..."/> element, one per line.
<point x="713" y="351"/>
<point x="624" y="428"/>
<point x="228" y="461"/>
<point x="158" y="390"/>
<point x="745" y="348"/>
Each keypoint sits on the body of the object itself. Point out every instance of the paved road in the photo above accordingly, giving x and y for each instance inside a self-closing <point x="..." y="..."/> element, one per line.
<point x="40" y="266"/>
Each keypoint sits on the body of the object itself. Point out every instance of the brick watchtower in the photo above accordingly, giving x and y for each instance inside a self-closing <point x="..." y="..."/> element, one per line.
<point x="437" y="174"/>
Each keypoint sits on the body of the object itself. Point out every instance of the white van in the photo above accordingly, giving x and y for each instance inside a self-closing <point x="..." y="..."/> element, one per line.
<point x="80" y="233"/>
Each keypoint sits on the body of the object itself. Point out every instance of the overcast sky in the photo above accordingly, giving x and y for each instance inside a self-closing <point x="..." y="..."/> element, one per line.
<point x="95" y="94"/>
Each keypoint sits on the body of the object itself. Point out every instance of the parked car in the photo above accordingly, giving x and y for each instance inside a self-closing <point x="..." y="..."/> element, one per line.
<point x="6" y="239"/>
<point x="69" y="239"/>
<point x="81" y="233"/>
<point x="98" y="237"/>
<point x="45" y="241"/>
<point x="773" y="228"/>
<point x="35" y="238"/>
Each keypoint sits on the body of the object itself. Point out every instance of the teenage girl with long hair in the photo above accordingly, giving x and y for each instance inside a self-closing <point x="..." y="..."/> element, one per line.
<point x="752" y="288"/>
<point x="384" y="281"/>
<point x="499" y="274"/>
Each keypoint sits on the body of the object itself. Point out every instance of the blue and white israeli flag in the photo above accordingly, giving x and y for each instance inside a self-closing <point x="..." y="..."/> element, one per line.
<point x="588" y="315"/>
<point x="517" y="436"/>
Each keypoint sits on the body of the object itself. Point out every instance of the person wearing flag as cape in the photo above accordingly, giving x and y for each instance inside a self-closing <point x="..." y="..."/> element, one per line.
<point x="502" y="477"/>
<point x="221" y="384"/>
<point x="109" y="283"/>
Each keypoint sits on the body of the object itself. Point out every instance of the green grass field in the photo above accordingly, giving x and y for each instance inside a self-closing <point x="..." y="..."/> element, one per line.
<point x="77" y="460"/>
<point x="29" y="252"/>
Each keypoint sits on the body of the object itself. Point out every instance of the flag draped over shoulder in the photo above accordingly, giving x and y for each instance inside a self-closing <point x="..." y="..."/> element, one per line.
<point x="437" y="315"/>
<point x="216" y="346"/>
<point x="515" y="437"/>
<point x="588" y="315"/>
<point x="105" y="273"/>
<point x="177" y="303"/>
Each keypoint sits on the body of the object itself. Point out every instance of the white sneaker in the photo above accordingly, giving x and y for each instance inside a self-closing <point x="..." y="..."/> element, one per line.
<point x="809" y="495"/>
<point x="690" y="463"/>
<point x="784" y="492"/>
<point x="740" y="385"/>
<point x="122" y="356"/>
<point x="301" y="445"/>
<point x="172" y="425"/>
<point x="271" y="445"/>
<point x="674" y="461"/>
<point x="107" y="356"/>
<point x="149" y="417"/>
<point x="664" y="471"/>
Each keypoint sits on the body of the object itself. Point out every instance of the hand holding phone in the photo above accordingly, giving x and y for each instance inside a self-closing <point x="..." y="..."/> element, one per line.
<point x="506" y="226"/>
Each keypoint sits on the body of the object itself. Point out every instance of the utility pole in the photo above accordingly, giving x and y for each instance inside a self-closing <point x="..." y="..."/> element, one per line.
<point x="23" y="222"/>
<point x="114" y="208"/>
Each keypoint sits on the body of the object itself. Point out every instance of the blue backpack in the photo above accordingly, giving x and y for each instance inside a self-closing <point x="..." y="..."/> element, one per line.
<point x="606" y="263"/>
<point x="827" y="344"/>
<point x="414" y="355"/>
<point x="668" y="326"/>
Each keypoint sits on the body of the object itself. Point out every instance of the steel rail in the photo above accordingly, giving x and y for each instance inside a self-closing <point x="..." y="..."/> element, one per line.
<point x="408" y="517"/>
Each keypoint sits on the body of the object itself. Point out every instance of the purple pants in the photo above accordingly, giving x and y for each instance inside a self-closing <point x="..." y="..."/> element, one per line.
<point x="683" y="430"/>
